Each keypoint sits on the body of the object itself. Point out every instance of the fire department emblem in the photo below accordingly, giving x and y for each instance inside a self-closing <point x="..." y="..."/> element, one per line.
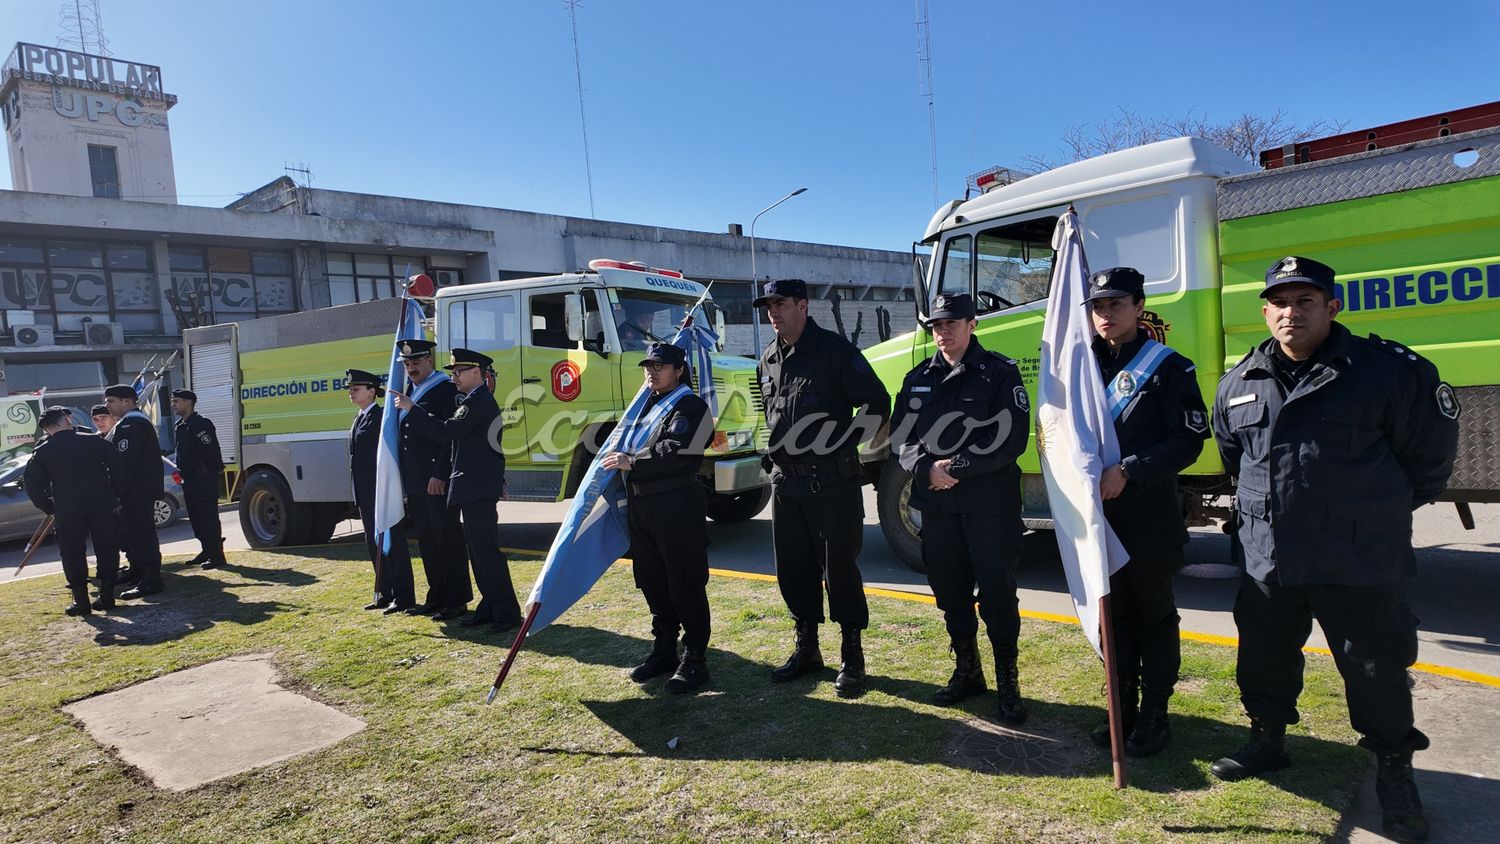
<point x="1154" y="326"/>
<point x="567" y="382"/>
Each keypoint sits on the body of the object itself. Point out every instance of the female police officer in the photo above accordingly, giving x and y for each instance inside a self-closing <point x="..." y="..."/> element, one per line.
<point x="666" y="515"/>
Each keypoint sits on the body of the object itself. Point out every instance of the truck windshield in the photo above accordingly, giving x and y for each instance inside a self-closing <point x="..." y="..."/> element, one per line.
<point x="643" y="318"/>
<point x="1014" y="264"/>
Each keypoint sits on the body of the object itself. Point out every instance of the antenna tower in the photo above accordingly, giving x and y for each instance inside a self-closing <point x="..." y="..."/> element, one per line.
<point x="588" y="167"/>
<point x="78" y="20"/>
<point x="924" y="84"/>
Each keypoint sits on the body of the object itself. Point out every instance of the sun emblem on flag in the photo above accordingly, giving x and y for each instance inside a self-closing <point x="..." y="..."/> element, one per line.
<point x="1046" y="429"/>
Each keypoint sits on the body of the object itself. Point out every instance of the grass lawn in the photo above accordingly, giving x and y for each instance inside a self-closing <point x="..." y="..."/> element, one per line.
<point x="574" y="751"/>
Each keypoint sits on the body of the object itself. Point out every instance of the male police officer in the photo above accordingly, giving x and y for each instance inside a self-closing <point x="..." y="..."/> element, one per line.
<point x="1161" y="424"/>
<point x="394" y="590"/>
<point x="425" y="467"/>
<point x="810" y="380"/>
<point x="666" y="515"/>
<point x="77" y="478"/>
<point x="960" y="422"/>
<point x="103" y="422"/>
<point x="1334" y="440"/>
<point x="476" y="484"/>
<point x="140" y="453"/>
<point x="200" y="462"/>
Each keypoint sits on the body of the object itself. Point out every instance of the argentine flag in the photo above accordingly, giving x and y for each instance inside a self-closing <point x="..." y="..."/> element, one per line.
<point x="390" y="507"/>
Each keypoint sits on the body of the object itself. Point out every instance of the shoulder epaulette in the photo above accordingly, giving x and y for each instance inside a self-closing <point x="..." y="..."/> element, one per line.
<point x="1396" y="350"/>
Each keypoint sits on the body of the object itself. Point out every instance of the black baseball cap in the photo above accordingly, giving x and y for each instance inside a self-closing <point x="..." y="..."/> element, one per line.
<point x="121" y="391"/>
<point x="1294" y="269"/>
<point x="1114" y="283"/>
<point x="185" y="394"/>
<point x="468" y="357"/>
<point x="781" y="288"/>
<point x="411" y="349"/>
<point x="951" y="306"/>
<point x="665" y="353"/>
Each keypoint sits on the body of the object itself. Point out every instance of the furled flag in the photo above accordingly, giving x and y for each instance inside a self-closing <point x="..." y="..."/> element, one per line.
<point x="1075" y="435"/>
<point x="390" y="508"/>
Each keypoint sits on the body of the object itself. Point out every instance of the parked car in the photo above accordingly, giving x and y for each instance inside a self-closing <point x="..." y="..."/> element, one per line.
<point x="19" y="518"/>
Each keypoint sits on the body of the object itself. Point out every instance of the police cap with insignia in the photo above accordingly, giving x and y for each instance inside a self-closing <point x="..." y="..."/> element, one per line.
<point x="361" y="378"/>
<point x="99" y="410"/>
<point x="781" y="288"/>
<point x="665" y="353"/>
<point x="1114" y="283"/>
<point x="951" y="306"/>
<point x="185" y="394"/>
<point x="1294" y="269"/>
<point x="412" y="349"/>
<point x="121" y="391"/>
<point x="465" y="358"/>
<point x="53" y="415"/>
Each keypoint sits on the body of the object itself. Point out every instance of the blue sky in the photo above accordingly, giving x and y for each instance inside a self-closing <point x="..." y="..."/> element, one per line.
<point x="702" y="113"/>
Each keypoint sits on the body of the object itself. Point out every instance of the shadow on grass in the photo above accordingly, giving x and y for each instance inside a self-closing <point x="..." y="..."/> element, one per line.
<point x="189" y="604"/>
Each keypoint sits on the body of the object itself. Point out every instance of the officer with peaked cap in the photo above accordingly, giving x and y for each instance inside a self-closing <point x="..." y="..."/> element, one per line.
<point x="666" y="517"/>
<point x="77" y="478"/>
<point x="394" y="590"/>
<point x="135" y="438"/>
<point x="822" y="400"/>
<point x="1333" y="440"/>
<point x="425" y="467"/>
<point x="1161" y="423"/>
<point x="961" y="420"/>
<point x="200" y="461"/>
<point x="472" y="434"/>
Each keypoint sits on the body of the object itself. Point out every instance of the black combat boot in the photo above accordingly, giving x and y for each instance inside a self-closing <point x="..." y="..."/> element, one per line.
<point x="1152" y="733"/>
<point x="80" y="605"/>
<point x="692" y="672"/>
<point x="1130" y="693"/>
<point x="127" y="577"/>
<point x="216" y="559"/>
<point x="1009" y="707"/>
<point x="1401" y="815"/>
<point x="851" y="679"/>
<point x="1265" y="752"/>
<point x="106" y="599"/>
<point x="805" y="655"/>
<point x="968" y="674"/>
<point x="662" y="659"/>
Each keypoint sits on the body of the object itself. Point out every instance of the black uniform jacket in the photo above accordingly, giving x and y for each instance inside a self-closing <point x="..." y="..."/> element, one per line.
<point x="1161" y="432"/>
<point x="423" y="458"/>
<point x="671" y="456"/>
<point x="364" y="442"/>
<point x="478" y="466"/>
<point x="810" y="390"/>
<point x="140" y="455"/>
<point x="975" y="412"/>
<point x="75" y="472"/>
<point x="1329" y="471"/>
<point x="198" y="455"/>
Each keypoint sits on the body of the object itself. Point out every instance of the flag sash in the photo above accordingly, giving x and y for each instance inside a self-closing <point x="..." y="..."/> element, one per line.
<point x="1125" y="387"/>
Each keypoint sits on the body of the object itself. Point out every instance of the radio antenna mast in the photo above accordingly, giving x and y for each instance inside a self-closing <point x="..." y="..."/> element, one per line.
<point x="588" y="167"/>
<point x="924" y="84"/>
<point x="81" y="27"/>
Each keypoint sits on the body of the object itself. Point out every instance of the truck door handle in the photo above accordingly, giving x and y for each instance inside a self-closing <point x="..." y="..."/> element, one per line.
<point x="531" y="380"/>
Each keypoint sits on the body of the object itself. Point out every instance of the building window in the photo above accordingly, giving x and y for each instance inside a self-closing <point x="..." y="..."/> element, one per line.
<point x="104" y="171"/>
<point x="70" y="284"/>
<point x="361" y="277"/>
<point x="225" y="284"/>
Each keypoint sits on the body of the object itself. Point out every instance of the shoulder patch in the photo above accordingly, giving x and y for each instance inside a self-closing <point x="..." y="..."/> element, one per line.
<point x="1022" y="401"/>
<point x="679" y="426"/>
<point x="1195" y="421"/>
<point x="122" y="444"/>
<point x="1447" y="401"/>
<point x="204" y="438"/>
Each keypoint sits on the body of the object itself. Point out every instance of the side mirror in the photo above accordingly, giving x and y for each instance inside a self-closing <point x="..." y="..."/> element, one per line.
<point x="573" y="316"/>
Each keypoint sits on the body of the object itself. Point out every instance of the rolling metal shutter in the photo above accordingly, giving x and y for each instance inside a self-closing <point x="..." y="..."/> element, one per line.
<point x="211" y="375"/>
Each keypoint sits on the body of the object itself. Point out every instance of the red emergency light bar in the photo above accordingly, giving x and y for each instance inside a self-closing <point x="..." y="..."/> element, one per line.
<point x="1381" y="137"/>
<point x="634" y="266"/>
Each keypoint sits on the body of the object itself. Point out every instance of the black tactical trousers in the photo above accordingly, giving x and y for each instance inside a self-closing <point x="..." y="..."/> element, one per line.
<point x="669" y="540"/>
<point x="440" y="539"/>
<point x="497" y="595"/>
<point x="393" y="579"/>
<point x="138" y="524"/>
<point x="74" y="531"/>
<point x="967" y="550"/>
<point x="202" y="498"/>
<point x="817" y="539"/>
<point x="1144" y="618"/>
<point x="1372" y="633"/>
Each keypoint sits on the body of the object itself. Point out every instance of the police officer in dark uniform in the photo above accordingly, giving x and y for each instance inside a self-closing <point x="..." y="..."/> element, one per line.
<point x="140" y="453"/>
<point x="200" y="462"/>
<point x="103" y="422"/>
<point x="77" y="478"/>
<point x="425" y="467"/>
<point x="960" y="422"/>
<point x="1333" y="439"/>
<point x="666" y="515"/>
<point x="394" y="590"/>
<point x="476" y="483"/>
<point x="811" y="379"/>
<point x="1161" y="424"/>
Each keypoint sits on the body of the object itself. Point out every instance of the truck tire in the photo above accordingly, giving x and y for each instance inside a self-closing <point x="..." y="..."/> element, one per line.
<point x="901" y="525"/>
<point x="269" y="516"/>
<point x="738" y="506"/>
<point x="323" y="520"/>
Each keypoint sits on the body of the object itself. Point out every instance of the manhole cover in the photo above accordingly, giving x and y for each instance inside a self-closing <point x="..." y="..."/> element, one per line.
<point x="990" y="748"/>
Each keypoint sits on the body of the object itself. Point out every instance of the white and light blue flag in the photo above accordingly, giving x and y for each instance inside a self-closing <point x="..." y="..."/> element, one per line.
<point x="390" y="506"/>
<point x="1075" y="435"/>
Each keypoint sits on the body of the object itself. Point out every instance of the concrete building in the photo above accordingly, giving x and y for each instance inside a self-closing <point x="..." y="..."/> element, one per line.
<point x="94" y="284"/>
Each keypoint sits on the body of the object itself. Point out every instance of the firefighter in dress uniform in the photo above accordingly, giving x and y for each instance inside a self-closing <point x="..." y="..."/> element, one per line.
<point x="394" y="589"/>
<point x="140" y="453"/>
<point x="1333" y="440"/>
<point x="200" y="462"/>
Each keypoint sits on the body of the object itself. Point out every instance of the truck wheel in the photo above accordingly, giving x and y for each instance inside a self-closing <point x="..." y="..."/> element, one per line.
<point x="268" y="515"/>
<point x="738" y="506"/>
<point x="898" y="521"/>
<point x="323" y="519"/>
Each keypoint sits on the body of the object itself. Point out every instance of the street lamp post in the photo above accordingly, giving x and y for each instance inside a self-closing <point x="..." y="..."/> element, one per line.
<point x="755" y="289"/>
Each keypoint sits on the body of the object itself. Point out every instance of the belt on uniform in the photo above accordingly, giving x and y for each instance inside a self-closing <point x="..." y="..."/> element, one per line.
<point x="818" y="469"/>
<point x="664" y="485"/>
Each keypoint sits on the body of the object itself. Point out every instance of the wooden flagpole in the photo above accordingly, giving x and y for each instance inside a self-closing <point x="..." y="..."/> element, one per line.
<point x="1112" y="694"/>
<point x="514" y="649"/>
<point x="36" y="542"/>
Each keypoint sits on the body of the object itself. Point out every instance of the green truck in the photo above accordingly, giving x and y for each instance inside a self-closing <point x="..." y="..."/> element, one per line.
<point x="566" y="348"/>
<point x="1413" y="230"/>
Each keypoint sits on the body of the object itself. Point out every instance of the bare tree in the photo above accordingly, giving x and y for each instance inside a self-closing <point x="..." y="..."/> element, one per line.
<point x="1245" y="135"/>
